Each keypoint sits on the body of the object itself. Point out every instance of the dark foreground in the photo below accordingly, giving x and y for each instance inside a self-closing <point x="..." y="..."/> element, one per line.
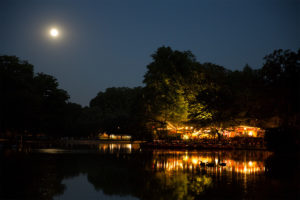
<point x="122" y="171"/>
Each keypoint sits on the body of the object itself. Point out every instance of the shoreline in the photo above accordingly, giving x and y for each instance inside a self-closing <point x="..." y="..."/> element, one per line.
<point x="77" y="143"/>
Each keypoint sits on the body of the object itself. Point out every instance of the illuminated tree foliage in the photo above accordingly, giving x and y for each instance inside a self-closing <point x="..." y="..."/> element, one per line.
<point x="179" y="89"/>
<point x="209" y="94"/>
<point x="165" y="85"/>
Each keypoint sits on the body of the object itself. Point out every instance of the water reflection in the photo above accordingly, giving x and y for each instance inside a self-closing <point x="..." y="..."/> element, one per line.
<point x="78" y="188"/>
<point x="53" y="151"/>
<point x="119" y="147"/>
<point x="216" y="162"/>
<point x="198" y="174"/>
<point x="119" y="170"/>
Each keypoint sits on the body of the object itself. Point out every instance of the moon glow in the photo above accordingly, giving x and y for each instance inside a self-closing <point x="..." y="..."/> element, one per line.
<point x="54" y="32"/>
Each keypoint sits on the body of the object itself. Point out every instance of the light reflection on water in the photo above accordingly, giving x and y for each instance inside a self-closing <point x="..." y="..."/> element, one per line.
<point x="53" y="151"/>
<point x="107" y="147"/>
<point x="117" y="147"/>
<point x="122" y="170"/>
<point x="203" y="170"/>
<point x="210" y="162"/>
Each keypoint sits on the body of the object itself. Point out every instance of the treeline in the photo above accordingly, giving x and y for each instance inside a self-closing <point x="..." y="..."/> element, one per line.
<point x="33" y="103"/>
<point x="178" y="90"/>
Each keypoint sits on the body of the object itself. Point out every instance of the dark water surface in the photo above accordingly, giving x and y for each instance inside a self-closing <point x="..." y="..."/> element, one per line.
<point x="122" y="171"/>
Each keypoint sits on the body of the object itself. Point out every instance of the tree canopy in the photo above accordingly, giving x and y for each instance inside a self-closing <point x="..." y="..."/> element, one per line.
<point x="178" y="89"/>
<point x="30" y="102"/>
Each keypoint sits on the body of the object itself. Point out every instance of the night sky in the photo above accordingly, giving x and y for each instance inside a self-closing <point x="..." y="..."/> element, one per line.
<point x="108" y="43"/>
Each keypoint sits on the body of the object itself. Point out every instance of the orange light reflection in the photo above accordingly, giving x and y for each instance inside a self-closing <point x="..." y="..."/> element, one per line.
<point x="191" y="162"/>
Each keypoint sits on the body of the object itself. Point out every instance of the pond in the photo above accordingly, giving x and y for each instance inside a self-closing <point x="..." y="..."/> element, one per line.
<point x="123" y="172"/>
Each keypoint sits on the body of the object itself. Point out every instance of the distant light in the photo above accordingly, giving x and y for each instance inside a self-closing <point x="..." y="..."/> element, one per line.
<point x="185" y="137"/>
<point x="54" y="32"/>
<point x="195" y="161"/>
<point x="185" y="158"/>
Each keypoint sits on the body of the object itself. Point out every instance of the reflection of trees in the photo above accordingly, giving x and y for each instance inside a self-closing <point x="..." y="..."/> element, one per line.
<point x="180" y="186"/>
<point x="239" y="162"/>
<point x="243" y="170"/>
<point x="29" y="177"/>
<point x="122" y="176"/>
<point x="200" y="183"/>
<point x="172" y="187"/>
<point x="39" y="176"/>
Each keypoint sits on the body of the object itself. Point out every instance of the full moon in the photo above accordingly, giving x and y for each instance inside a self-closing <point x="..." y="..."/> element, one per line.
<point x="54" y="32"/>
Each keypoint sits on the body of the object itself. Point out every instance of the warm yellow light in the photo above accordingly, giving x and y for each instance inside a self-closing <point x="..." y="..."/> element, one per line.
<point x="205" y="161"/>
<point x="54" y="32"/>
<point x="250" y="163"/>
<point x="195" y="161"/>
<point x="128" y="146"/>
<point x="185" y="158"/>
<point x="195" y="133"/>
<point x="113" y="136"/>
<point x="250" y="133"/>
<point x="185" y="137"/>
